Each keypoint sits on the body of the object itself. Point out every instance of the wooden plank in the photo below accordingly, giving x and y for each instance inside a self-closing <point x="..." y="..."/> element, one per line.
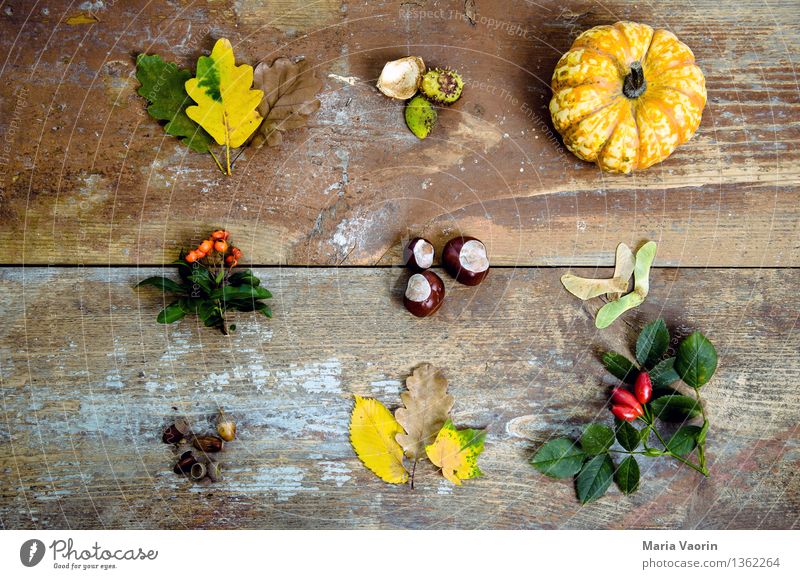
<point x="88" y="380"/>
<point x="91" y="179"/>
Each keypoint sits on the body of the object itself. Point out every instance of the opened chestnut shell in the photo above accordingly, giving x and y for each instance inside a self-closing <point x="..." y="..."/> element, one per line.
<point x="418" y="254"/>
<point x="466" y="260"/>
<point x="424" y="294"/>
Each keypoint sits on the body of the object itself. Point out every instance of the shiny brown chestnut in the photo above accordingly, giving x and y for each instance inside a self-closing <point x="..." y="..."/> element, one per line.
<point x="424" y="294"/>
<point x="465" y="259"/>
<point x="418" y="254"/>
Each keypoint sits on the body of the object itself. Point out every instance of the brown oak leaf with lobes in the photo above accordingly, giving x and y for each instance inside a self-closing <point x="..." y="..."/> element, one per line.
<point x="426" y="406"/>
<point x="290" y="90"/>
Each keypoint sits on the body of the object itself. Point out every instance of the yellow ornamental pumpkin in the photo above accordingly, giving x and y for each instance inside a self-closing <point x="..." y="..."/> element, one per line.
<point x="625" y="96"/>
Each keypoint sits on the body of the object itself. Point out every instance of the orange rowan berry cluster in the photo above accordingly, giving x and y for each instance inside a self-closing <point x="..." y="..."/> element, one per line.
<point x="217" y="242"/>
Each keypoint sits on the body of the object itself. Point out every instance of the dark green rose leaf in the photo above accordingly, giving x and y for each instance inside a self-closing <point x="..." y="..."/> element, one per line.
<point x="684" y="440"/>
<point x="597" y="439"/>
<point x="675" y="408"/>
<point x="560" y="458"/>
<point x="164" y="284"/>
<point x="594" y="478"/>
<point x="663" y="374"/>
<point x="652" y="343"/>
<point x="627" y="476"/>
<point x="627" y="435"/>
<point x="172" y="313"/>
<point x="696" y="360"/>
<point x="620" y="367"/>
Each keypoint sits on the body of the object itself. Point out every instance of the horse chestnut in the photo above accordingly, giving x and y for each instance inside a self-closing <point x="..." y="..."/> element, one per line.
<point x="465" y="259"/>
<point x="418" y="255"/>
<point x="424" y="294"/>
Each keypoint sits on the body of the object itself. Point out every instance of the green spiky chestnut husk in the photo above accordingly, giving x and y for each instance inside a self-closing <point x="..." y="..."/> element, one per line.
<point x="420" y="116"/>
<point x="442" y="86"/>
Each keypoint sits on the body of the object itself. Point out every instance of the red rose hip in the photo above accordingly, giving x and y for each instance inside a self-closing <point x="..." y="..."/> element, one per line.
<point x="622" y="397"/>
<point x="643" y="388"/>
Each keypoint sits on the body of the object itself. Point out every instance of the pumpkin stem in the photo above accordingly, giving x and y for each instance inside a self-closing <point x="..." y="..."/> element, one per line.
<point x="634" y="84"/>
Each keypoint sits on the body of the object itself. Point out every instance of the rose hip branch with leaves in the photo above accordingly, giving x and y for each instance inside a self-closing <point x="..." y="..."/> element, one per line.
<point x="209" y="286"/>
<point x="653" y="401"/>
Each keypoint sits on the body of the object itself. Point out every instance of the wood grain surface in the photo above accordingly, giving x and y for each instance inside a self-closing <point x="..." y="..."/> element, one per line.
<point x="94" y="196"/>
<point x="88" y="177"/>
<point x="89" y="381"/>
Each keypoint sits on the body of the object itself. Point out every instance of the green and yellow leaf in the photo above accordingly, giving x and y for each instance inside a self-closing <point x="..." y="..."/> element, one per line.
<point x="373" y="432"/>
<point x="226" y="104"/>
<point x="163" y="86"/>
<point x="456" y="452"/>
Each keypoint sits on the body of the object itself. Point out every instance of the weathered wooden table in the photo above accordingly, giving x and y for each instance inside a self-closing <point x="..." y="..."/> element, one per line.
<point x="95" y="197"/>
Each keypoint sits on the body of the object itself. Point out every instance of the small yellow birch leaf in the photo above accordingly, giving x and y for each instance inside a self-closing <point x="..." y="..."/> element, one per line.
<point x="226" y="105"/>
<point x="372" y="433"/>
<point x="456" y="452"/>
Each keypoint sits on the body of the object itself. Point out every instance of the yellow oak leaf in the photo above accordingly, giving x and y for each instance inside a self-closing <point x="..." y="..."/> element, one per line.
<point x="372" y="433"/>
<point x="226" y="105"/>
<point x="456" y="452"/>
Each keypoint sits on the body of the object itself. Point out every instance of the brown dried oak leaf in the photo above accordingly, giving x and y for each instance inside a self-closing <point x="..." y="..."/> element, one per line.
<point x="426" y="408"/>
<point x="290" y="90"/>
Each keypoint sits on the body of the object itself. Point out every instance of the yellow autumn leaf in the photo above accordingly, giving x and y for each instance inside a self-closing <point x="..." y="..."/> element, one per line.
<point x="226" y="105"/>
<point x="456" y="452"/>
<point x="82" y="18"/>
<point x="372" y="433"/>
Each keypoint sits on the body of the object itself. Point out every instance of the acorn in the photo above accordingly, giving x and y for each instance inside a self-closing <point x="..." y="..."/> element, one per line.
<point x="400" y="79"/>
<point x="465" y="259"/>
<point x="185" y="463"/>
<point x="208" y="443"/>
<point x="424" y="294"/>
<point x="226" y="428"/>
<point x="442" y="86"/>
<point x="420" y="116"/>
<point x="176" y="432"/>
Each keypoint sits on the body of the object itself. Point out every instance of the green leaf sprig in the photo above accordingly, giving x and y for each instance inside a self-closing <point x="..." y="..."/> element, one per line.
<point x="209" y="288"/>
<point x="590" y="460"/>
